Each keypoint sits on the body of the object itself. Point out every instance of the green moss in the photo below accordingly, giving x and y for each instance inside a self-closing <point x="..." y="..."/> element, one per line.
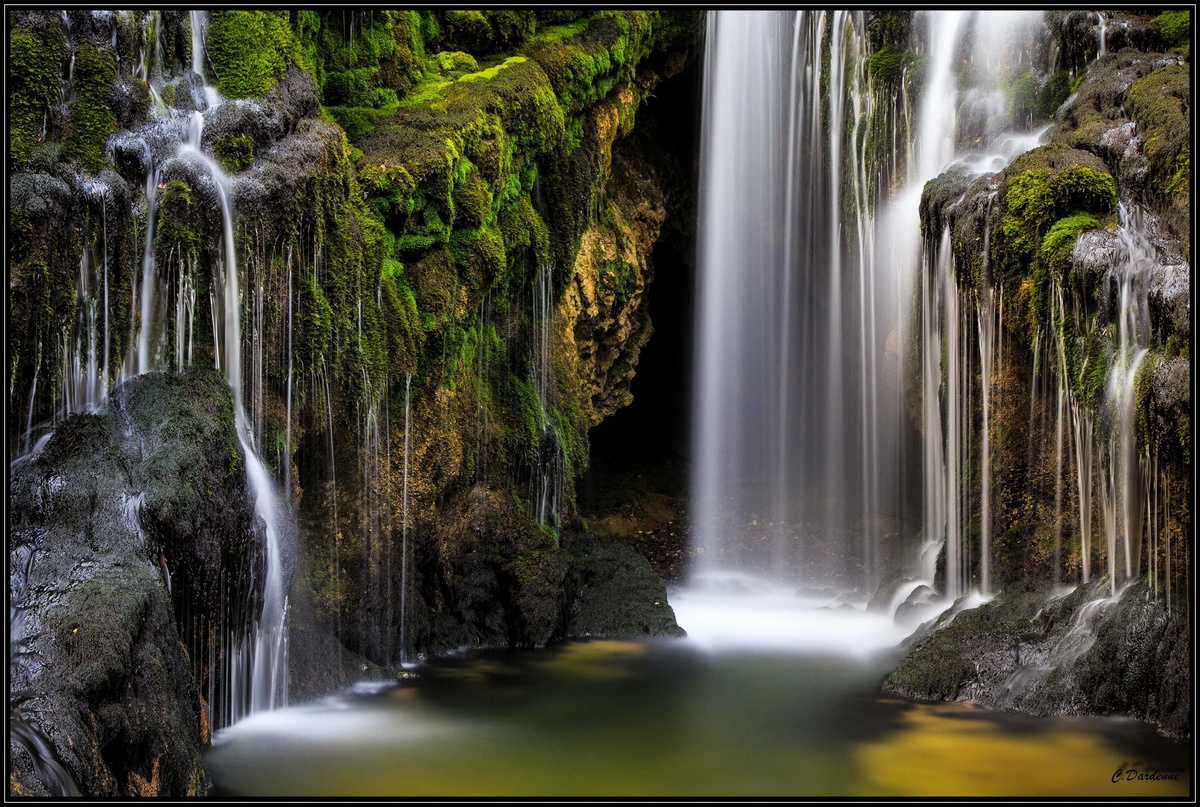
<point x="1060" y="239"/>
<point x="33" y="77"/>
<point x="1081" y="187"/>
<point x="235" y="153"/>
<point x="1029" y="206"/>
<point x="1180" y="182"/>
<point x="1036" y="198"/>
<point x="356" y="121"/>
<point x="453" y="64"/>
<point x="1175" y="28"/>
<point x="317" y="328"/>
<point x="173" y="232"/>
<point x="488" y="31"/>
<point x="90" y="121"/>
<point x="249" y="51"/>
<point x="1053" y="94"/>
<point x="886" y="66"/>
<point x="1159" y="102"/>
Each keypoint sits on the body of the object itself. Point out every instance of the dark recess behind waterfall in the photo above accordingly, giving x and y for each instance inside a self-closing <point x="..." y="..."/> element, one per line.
<point x="651" y="438"/>
<point x="651" y="435"/>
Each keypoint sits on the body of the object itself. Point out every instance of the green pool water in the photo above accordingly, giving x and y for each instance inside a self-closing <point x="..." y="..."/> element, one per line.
<point x="675" y="718"/>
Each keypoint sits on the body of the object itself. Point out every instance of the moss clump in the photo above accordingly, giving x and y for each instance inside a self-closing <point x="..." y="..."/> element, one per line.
<point x="33" y="75"/>
<point x="249" y="51"/>
<point x="174" y="232"/>
<point x="1060" y="239"/>
<point x="453" y="64"/>
<point x="886" y="66"/>
<point x="235" y="153"/>
<point x="1030" y="210"/>
<point x="90" y="122"/>
<point x="1175" y="27"/>
<point x="483" y="32"/>
<point x="1034" y="199"/>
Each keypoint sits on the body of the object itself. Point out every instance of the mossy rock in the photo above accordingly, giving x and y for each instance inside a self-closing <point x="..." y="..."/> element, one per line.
<point x="90" y="121"/>
<point x="235" y="153"/>
<point x="249" y="51"/>
<point x="34" y="70"/>
<point x="1040" y="188"/>
<point x="116" y="693"/>
<point x="613" y="593"/>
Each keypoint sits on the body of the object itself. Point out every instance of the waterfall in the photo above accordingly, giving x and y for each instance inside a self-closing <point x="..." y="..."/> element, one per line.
<point x="798" y="394"/>
<point x="943" y="453"/>
<point x="260" y="649"/>
<point x="268" y="685"/>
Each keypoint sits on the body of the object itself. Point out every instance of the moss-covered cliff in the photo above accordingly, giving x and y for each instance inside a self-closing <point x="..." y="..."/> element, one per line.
<point x="1046" y="234"/>
<point x="1084" y="242"/>
<point x="442" y="235"/>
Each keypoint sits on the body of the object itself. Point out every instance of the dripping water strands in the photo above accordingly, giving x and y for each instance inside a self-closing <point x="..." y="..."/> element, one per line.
<point x="254" y="654"/>
<point x="404" y="521"/>
<point x="547" y="477"/>
<point x="268" y="685"/>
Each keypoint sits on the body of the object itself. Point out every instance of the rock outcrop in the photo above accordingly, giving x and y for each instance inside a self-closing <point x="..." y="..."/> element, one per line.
<point x="129" y="529"/>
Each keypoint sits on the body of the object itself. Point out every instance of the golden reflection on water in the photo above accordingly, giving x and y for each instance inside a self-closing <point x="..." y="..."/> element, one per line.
<point x="608" y="718"/>
<point x="950" y="749"/>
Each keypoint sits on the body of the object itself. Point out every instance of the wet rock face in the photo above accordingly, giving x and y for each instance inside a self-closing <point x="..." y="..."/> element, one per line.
<point x="606" y="318"/>
<point x="613" y="593"/>
<point x="109" y="502"/>
<point x="1084" y="653"/>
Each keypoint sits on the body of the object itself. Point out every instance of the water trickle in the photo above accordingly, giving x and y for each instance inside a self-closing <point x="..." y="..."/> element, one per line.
<point x="199" y="23"/>
<point x="268" y="685"/>
<point x="404" y="521"/>
<point x="547" y="476"/>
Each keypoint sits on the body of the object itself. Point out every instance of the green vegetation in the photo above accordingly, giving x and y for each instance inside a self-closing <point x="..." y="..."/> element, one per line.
<point x="250" y="50"/>
<point x="1060" y="240"/>
<point x="90" y="121"/>
<point x="1159" y="103"/>
<point x="887" y="65"/>
<point x="235" y="153"/>
<point x="33" y="75"/>
<point x="1175" y="28"/>
<point x="1037" y="198"/>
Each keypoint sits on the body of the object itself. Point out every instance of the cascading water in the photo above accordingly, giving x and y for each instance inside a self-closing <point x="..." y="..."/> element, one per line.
<point x="268" y="685"/>
<point x="547" y="477"/>
<point x="800" y="432"/>
<point x="162" y="316"/>
<point x="781" y="313"/>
